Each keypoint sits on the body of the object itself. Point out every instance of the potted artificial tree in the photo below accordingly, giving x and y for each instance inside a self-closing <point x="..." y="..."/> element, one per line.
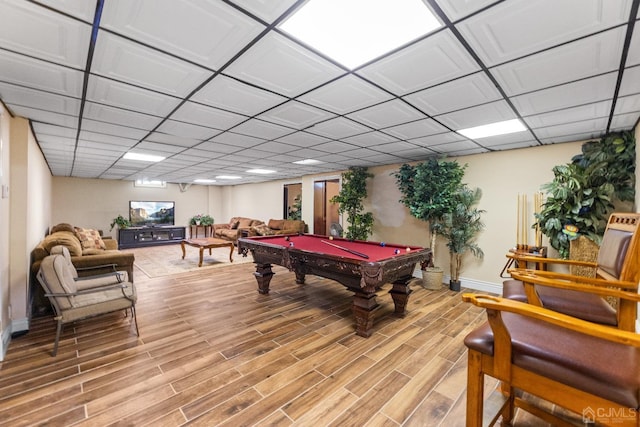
<point x="461" y="227"/>
<point x="349" y="199"/>
<point x="428" y="190"/>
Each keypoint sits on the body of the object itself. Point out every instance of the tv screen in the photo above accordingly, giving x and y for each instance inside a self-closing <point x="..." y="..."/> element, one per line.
<point x="151" y="214"/>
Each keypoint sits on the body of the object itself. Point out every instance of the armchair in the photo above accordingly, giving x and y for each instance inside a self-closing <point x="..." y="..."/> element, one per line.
<point x="618" y="264"/>
<point x="75" y="299"/>
<point x="587" y="368"/>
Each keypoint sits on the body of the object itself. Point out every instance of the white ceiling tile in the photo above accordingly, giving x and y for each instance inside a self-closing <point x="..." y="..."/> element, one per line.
<point x="628" y="104"/>
<point x="46" y="129"/>
<point x="429" y="62"/>
<point x="456" y="9"/>
<point x="387" y="114"/>
<point x="584" y="58"/>
<point x="168" y="25"/>
<point x="174" y="127"/>
<point x="119" y="116"/>
<point x="370" y="139"/>
<point x="346" y="94"/>
<point x="18" y="95"/>
<point x="441" y="138"/>
<point x="633" y="56"/>
<point x="630" y="81"/>
<point x="296" y="115"/>
<point x="112" y="129"/>
<point x="476" y="116"/>
<point x="283" y="66"/>
<point x="624" y="121"/>
<point x="262" y="129"/>
<point x="217" y="147"/>
<point x="268" y="10"/>
<point x="416" y="129"/>
<point x="169" y="139"/>
<point x="511" y="138"/>
<point x="41" y="33"/>
<point x="338" y="128"/>
<point x="516" y="28"/>
<point x="303" y="139"/>
<point x="334" y="147"/>
<point x="49" y="117"/>
<point x="207" y="116"/>
<point x="592" y="127"/>
<point x="229" y="94"/>
<point x="575" y="114"/>
<point x="461" y="93"/>
<point x="121" y="95"/>
<point x="586" y="91"/>
<point x="106" y="139"/>
<point x="120" y="59"/>
<point x="452" y="147"/>
<point x="81" y="9"/>
<point x="36" y="74"/>
<point x="238" y="140"/>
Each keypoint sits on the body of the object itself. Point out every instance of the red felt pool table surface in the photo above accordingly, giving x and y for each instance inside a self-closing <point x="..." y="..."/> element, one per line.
<point x="322" y="244"/>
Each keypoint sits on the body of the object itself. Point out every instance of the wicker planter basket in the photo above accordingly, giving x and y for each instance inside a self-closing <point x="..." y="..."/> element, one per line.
<point x="583" y="249"/>
<point x="432" y="278"/>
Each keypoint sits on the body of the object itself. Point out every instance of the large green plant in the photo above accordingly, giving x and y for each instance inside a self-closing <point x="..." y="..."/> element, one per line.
<point x="584" y="191"/>
<point x="428" y="190"/>
<point x="461" y="227"/>
<point x="349" y="200"/>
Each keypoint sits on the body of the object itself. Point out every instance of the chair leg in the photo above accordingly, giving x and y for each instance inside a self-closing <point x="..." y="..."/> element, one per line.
<point x="135" y="319"/>
<point x="58" y="332"/>
<point x="475" y="389"/>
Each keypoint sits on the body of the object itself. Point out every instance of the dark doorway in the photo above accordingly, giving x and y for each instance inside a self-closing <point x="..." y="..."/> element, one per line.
<point x="324" y="212"/>
<point x="292" y="206"/>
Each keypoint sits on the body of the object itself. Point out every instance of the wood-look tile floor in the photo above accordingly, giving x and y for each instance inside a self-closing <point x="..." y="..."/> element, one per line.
<point x="212" y="351"/>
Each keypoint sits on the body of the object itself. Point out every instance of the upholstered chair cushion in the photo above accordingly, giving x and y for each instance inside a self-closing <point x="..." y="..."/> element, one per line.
<point x="613" y="251"/>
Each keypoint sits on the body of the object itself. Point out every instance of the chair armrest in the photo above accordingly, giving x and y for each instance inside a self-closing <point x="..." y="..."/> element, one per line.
<point x="497" y="304"/>
<point x="543" y="260"/>
<point x="580" y="283"/>
<point x="220" y="226"/>
<point x="96" y="267"/>
<point x="103" y="288"/>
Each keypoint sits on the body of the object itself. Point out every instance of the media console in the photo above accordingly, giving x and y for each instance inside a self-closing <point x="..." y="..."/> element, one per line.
<point x="136" y="237"/>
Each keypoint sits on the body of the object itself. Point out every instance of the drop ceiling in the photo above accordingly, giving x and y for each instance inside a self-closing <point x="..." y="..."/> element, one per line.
<point x="218" y="88"/>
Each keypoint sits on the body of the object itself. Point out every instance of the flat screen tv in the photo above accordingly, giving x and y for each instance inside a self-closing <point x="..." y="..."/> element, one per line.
<point x="151" y="214"/>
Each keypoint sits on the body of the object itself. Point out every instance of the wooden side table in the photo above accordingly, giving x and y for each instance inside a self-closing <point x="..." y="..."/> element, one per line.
<point x="194" y="231"/>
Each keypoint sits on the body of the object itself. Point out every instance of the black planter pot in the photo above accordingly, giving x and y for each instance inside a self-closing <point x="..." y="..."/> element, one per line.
<point x="454" y="285"/>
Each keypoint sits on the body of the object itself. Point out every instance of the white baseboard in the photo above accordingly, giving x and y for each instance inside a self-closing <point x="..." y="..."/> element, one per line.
<point x="478" y="285"/>
<point x="19" y="325"/>
<point x="5" y="339"/>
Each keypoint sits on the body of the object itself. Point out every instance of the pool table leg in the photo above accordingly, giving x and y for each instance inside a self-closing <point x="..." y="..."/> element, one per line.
<point x="400" y="294"/>
<point x="364" y="306"/>
<point x="263" y="275"/>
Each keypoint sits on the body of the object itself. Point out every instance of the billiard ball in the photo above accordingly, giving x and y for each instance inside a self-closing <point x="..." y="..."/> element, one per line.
<point x="330" y="237"/>
<point x="286" y="238"/>
<point x="291" y="244"/>
<point x="408" y="249"/>
<point x="383" y="244"/>
<point x="397" y="251"/>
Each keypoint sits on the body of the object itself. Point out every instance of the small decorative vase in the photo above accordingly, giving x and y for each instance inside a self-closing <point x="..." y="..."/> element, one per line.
<point x="197" y="222"/>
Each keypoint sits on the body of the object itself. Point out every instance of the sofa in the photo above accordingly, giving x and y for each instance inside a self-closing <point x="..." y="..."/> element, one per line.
<point x="91" y="254"/>
<point x="278" y="226"/>
<point x="235" y="228"/>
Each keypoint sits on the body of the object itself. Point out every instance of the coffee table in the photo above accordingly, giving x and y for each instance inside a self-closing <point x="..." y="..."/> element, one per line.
<point x="207" y="243"/>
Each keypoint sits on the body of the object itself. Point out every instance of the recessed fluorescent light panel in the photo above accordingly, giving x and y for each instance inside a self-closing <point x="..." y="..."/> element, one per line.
<point x="307" y="162"/>
<point x="228" y="177"/>
<point x="151" y="183"/>
<point x="143" y="157"/>
<point x="354" y="32"/>
<point x="204" y="181"/>
<point x="493" y="129"/>
<point x="261" y="171"/>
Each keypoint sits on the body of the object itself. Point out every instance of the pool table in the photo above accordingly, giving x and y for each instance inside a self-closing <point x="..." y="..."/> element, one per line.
<point x="362" y="266"/>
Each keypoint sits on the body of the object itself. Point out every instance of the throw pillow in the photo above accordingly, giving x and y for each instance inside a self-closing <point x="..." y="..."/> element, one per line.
<point x="234" y="224"/>
<point x="90" y="239"/>
<point x="262" y="230"/>
<point x="245" y="223"/>
<point x="64" y="238"/>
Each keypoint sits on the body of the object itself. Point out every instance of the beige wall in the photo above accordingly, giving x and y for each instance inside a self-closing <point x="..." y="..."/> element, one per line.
<point x="5" y="226"/>
<point x="93" y="203"/>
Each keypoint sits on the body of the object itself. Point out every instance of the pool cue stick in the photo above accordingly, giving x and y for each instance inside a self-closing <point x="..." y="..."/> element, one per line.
<point x="346" y="249"/>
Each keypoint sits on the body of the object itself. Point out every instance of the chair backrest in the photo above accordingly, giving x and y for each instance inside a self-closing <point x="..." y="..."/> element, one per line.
<point x="619" y="254"/>
<point x="56" y="277"/>
<point x="64" y="251"/>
